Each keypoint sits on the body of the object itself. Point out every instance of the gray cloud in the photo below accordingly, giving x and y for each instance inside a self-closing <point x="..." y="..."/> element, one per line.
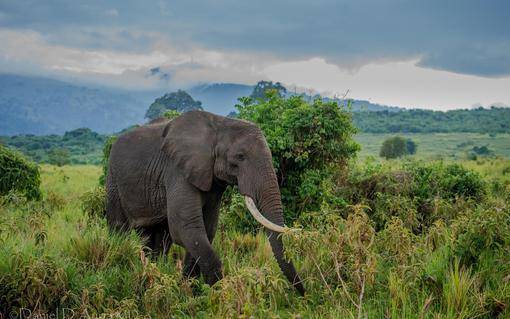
<point x="463" y="36"/>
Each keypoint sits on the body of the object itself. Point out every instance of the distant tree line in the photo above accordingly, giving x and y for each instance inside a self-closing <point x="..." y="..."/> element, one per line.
<point x="80" y="146"/>
<point x="480" y="120"/>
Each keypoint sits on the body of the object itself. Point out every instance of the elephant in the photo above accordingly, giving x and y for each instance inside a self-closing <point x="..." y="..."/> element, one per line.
<point x="166" y="180"/>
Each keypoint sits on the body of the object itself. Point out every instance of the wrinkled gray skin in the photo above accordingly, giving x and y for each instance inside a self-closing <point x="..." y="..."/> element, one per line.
<point x="166" y="180"/>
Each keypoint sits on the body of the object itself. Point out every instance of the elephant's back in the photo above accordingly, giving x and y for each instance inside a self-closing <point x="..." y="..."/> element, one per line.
<point x="138" y="144"/>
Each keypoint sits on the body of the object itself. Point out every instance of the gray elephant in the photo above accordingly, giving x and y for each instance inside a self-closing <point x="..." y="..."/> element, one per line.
<point x="166" y="180"/>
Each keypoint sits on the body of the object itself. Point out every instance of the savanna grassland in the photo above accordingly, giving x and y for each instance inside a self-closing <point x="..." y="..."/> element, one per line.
<point x="453" y="263"/>
<point x="439" y="145"/>
<point x="405" y="238"/>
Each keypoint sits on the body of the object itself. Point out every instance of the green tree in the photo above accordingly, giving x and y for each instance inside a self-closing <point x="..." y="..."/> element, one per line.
<point x="393" y="147"/>
<point x="411" y="146"/>
<point x="59" y="156"/>
<point x="18" y="174"/>
<point x="262" y="88"/>
<point x="308" y="142"/>
<point x="179" y="101"/>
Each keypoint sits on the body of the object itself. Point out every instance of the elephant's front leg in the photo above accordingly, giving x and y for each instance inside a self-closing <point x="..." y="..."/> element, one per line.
<point x="211" y="213"/>
<point x="185" y="209"/>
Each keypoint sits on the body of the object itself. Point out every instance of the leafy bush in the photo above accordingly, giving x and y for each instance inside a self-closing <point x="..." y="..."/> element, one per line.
<point x="306" y="140"/>
<point x="234" y="214"/>
<point x="485" y="230"/>
<point x="18" y="174"/>
<point x="446" y="181"/>
<point x="417" y="193"/>
<point x="93" y="202"/>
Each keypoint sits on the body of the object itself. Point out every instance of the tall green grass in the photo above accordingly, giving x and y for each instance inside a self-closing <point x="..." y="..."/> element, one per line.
<point x="54" y="256"/>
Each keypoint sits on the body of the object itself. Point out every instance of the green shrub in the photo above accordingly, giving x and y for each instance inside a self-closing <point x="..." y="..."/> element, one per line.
<point x="93" y="202"/>
<point x="308" y="141"/>
<point x="446" y="181"/>
<point x="234" y="214"/>
<point x="417" y="193"/>
<point x="18" y="174"/>
<point x="484" y="230"/>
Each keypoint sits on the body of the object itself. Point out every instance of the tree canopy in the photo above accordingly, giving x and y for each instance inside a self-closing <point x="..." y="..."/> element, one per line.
<point x="306" y="140"/>
<point x="179" y="101"/>
<point x="262" y="88"/>
<point x="397" y="146"/>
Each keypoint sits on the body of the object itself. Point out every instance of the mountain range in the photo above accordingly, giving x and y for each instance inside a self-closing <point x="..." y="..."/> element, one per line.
<point x="41" y="106"/>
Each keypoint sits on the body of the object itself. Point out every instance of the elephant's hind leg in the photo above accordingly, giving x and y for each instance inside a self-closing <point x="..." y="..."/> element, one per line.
<point x="158" y="238"/>
<point x="115" y="215"/>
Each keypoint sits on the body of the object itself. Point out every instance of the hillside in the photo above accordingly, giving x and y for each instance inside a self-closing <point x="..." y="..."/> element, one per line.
<point x="31" y="105"/>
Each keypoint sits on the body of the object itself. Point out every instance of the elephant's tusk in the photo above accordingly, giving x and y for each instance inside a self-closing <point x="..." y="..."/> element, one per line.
<point x="261" y="219"/>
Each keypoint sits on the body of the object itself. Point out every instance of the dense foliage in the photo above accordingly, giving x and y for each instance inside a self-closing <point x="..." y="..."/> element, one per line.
<point x="417" y="193"/>
<point x="18" y="175"/>
<point x="480" y="120"/>
<point x="397" y="146"/>
<point x="80" y="146"/>
<point x="307" y="141"/>
<point x="179" y="101"/>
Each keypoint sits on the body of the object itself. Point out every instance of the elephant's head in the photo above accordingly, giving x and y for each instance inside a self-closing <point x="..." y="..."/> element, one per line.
<point x="207" y="147"/>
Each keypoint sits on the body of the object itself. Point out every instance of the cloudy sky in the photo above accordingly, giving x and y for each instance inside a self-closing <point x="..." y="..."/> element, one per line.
<point x="436" y="54"/>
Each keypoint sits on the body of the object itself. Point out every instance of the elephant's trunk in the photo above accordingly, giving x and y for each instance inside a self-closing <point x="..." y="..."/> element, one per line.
<point x="270" y="203"/>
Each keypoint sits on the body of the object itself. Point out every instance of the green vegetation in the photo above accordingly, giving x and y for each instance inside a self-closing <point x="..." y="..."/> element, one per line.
<point x="179" y="101"/>
<point x="263" y="88"/>
<point x="171" y="114"/>
<point x="379" y="238"/>
<point x="480" y="120"/>
<point x="80" y="146"/>
<point x="18" y="175"/>
<point x="379" y="256"/>
<point x="397" y="146"/>
<point x="308" y="142"/>
<point x="439" y="145"/>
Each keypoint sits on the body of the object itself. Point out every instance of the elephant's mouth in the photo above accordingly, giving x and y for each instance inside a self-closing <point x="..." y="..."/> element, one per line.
<point x="261" y="219"/>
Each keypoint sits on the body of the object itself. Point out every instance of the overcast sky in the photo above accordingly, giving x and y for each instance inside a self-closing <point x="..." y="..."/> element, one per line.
<point x="430" y="54"/>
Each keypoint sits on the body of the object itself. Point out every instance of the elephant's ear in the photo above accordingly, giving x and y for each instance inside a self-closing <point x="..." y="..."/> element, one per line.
<point x="189" y="142"/>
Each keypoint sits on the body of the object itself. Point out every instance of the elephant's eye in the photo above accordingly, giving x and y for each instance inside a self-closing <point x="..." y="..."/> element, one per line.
<point x="240" y="157"/>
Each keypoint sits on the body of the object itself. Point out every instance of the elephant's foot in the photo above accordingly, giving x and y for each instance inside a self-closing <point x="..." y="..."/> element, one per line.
<point x="213" y="276"/>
